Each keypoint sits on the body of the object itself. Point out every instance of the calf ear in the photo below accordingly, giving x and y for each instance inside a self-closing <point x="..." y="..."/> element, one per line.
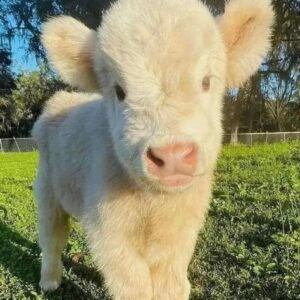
<point x="70" y="47"/>
<point x="246" y="29"/>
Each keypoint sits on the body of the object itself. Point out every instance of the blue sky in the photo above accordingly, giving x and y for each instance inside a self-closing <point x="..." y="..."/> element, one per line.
<point x="22" y="61"/>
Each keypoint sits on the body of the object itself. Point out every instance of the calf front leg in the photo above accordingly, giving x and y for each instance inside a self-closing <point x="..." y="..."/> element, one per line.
<point x="170" y="282"/>
<point x="169" y="263"/>
<point x="126" y="273"/>
<point x="53" y="227"/>
<point x="53" y="234"/>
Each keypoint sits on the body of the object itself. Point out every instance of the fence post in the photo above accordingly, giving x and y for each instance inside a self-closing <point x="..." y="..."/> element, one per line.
<point x="284" y="136"/>
<point x="17" y="144"/>
<point x="1" y="146"/>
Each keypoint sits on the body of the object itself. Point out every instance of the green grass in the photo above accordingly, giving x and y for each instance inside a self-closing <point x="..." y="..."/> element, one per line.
<point x="249" y="249"/>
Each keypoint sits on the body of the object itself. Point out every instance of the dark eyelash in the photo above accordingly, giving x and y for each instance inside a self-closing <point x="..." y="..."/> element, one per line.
<point x="120" y="93"/>
<point x="206" y="83"/>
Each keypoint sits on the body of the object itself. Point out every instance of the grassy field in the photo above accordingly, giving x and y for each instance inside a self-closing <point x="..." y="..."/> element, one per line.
<point x="249" y="249"/>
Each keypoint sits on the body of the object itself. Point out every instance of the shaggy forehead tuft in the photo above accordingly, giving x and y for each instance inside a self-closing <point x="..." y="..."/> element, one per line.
<point x="158" y="37"/>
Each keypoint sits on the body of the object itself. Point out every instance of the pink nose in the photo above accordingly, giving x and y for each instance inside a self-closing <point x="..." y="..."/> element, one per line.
<point x="174" y="164"/>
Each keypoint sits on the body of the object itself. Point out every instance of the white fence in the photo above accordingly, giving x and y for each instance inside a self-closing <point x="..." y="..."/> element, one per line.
<point x="259" y="138"/>
<point x="28" y="144"/>
<point x="17" y="145"/>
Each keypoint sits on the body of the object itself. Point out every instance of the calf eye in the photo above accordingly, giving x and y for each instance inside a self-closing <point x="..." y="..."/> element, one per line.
<point x="206" y="83"/>
<point x="120" y="93"/>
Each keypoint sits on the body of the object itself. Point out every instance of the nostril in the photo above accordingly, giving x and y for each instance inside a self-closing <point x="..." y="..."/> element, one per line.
<point x="191" y="156"/>
<point x="157" y="161"/>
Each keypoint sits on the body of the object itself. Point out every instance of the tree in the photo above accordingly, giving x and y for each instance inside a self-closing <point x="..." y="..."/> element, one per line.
<point x="251" y="108"/>
<point x="6" y="83"/>
<point x="26" y="101"/>
<point x="27" y="16"/>
<point x="6" y="76"/>
<point x="267" y="99"/>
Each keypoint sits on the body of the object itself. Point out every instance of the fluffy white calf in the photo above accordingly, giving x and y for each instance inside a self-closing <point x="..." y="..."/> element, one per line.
<point x="136" y="164"/>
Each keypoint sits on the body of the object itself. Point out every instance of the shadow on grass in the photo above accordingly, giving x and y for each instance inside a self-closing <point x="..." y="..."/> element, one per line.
<point x="21" y="258"/>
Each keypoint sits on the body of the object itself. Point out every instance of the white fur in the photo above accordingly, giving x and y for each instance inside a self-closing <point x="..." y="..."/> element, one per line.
<point x="92" y="147"/>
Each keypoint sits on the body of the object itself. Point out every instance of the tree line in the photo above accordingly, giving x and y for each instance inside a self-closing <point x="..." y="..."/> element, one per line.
<point x="270" y="101"/>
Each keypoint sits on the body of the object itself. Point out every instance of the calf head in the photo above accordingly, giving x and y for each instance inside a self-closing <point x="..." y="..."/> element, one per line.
<point x="162" y="67"/>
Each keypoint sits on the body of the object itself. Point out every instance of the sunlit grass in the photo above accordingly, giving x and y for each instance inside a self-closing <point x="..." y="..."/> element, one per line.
<point x="249" y="248"/>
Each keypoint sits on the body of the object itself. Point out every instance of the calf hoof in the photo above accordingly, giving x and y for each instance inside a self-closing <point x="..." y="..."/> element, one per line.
<point x="49" y="285"/>
<point x="50" y="275"/>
